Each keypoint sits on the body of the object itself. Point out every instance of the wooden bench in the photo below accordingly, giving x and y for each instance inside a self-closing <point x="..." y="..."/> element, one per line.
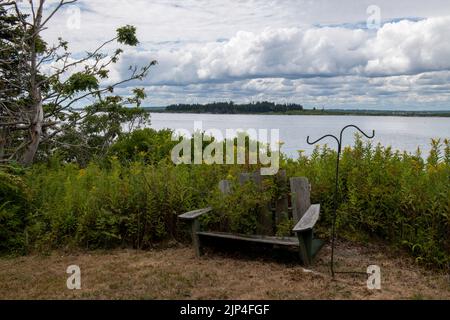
<point x="304" y="214"/>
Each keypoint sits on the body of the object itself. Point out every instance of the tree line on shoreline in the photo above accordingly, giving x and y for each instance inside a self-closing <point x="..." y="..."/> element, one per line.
<point x="233" y="108"/>
<point x="266" y="107"/>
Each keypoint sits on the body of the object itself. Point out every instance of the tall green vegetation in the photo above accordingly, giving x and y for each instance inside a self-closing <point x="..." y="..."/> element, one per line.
<point x="398" y="197"/>
<point x="133" y="198"/>
<point x="93" y="185"/>
<point x="102" y="207"/>
<point x="14" y="209"/>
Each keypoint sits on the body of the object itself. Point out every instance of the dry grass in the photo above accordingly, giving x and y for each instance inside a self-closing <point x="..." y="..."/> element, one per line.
<point x="175" y="273"/>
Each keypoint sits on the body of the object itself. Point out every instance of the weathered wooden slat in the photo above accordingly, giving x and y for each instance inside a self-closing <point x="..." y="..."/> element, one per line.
<point x="194" y="214"/>
<point x="225" y="186"/>
<point x="264" y="218"/>
<point x="282" y="204"/>
<point x="317" y="244"/>
<point x="300" y="193"/>
<point x="255" y="177"/>
<point x="309" y="220"/>
<point x="265" y="221"/>
<point x="303" y="240"/>
<point x="288" y="241"/>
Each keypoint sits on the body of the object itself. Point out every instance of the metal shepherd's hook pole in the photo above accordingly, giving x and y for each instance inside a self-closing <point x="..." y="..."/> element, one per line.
<point x="336" y="187"/>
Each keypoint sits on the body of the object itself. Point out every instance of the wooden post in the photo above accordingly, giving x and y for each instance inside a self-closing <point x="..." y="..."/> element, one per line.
<point x="193" y="218"/>
<point x="305" y="239"/>
<point x="195" y="227"/>
<point x="301" y="201"/>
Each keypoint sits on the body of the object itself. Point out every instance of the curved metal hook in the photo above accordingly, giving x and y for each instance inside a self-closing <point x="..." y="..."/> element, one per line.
<point x="326" y="136"/>
<point x="336" y="188"/>
<point x="353" y="126"/>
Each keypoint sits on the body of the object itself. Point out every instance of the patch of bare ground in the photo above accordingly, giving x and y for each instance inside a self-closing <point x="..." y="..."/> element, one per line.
<point x="175" y="273"/>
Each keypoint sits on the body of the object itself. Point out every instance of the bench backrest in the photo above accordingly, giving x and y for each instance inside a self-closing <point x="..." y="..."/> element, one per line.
<point x="299" y="198"/>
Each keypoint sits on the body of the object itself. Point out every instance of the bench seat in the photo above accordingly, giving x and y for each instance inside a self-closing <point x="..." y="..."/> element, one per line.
<point x="282" y="241"/>
<point x="316" y="244"/>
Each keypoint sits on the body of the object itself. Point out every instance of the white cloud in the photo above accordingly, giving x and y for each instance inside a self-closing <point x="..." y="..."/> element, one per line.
<point x="410" y="47"/>
<point x="254" y="49"/>
<point x="209" y="20"/>
<point x="402" y="48"/>
<point x="396" y="92"/>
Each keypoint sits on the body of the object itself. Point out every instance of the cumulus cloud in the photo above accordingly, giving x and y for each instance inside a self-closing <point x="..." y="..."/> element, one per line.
<point x="313" y="52"/>
<point x="410" y="47"/>
<point x="401" y="48"/>
<point x="397" y="92"/>
<point x="208" y="20"/>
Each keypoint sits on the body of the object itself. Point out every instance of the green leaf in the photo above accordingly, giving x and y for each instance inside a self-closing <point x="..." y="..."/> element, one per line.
<point x="127" y="35"/>
<point x="80" y="81"/>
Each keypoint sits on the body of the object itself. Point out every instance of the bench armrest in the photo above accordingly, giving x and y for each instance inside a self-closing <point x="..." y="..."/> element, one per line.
<point x="192" y="215"/>
<point x="309" y="219"/>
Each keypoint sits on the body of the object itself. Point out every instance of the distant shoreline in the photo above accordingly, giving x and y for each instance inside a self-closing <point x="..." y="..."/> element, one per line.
<point x="309" y="112"/>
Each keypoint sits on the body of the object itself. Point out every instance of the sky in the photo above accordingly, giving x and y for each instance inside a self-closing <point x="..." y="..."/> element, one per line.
<point x="377" y="54"/>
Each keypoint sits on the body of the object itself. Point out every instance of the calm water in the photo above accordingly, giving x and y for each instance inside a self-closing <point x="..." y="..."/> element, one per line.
<point x="402" y="133"/>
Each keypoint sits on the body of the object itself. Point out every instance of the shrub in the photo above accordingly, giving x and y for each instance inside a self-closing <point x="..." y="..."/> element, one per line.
<point x="14" y="206"/>
<point x="238" y="211"/>
<point x="103" y="207"/>
<point x="398" y="197"/>
<point x="147" y="144"/>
